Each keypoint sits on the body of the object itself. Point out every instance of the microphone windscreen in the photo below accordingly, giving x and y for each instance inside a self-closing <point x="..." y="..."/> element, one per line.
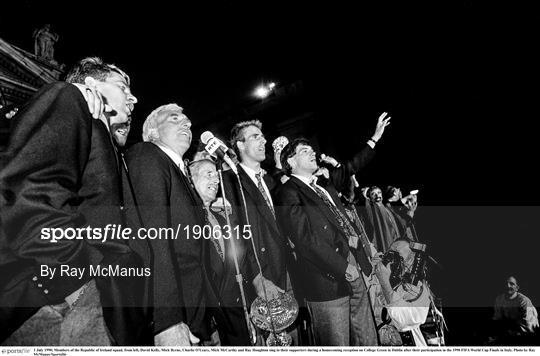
<point x="206" y="136"/>
<point x="279" y="143"/>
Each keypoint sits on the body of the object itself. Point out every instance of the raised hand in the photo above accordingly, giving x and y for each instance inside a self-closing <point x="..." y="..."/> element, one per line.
<point x="381" y="125"/>
<point x="330" y="160"/>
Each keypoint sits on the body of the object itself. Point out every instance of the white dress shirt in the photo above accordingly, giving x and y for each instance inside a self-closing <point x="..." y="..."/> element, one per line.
<point x="308" y="181"/>
<point x="174" y="156"/>
<point x="251" y="174"/>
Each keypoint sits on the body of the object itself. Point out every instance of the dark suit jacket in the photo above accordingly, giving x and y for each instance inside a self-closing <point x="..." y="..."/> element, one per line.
<point x="226" y="306"/>
<point x="166" y="199"/>
<point x="223" y="273"/>
<point x="320" y="244"/>
<point x="270" y="245"/>
<point x="59" y="170"/>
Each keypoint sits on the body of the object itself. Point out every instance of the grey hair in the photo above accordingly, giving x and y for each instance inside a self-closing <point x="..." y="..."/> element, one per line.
<point x="195" y="166"/>
<point x="150" y="131"/>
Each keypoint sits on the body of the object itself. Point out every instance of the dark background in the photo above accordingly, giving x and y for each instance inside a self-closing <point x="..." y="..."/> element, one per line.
<point x="460" y="80"/>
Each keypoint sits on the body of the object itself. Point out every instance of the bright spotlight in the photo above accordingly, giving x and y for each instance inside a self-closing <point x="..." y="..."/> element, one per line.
<point x="262" y="91"/>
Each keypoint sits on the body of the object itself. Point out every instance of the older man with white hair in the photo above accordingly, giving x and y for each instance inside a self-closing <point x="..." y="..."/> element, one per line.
<point x="226" y="307"/>
<point x="166" y="199"/>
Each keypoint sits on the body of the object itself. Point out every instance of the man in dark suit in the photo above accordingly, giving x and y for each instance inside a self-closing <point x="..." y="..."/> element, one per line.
<point x="326" y="244"/>
<point x="249" y="142"/>
<point x="60" y="170"/>
<point x="166" y="200"/>
<point x="227" y="307"/>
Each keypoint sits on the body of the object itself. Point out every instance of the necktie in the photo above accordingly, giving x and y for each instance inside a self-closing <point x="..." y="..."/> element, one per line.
<point x="263" y="192"/>
<point x="353" y="215"/>
<point x="218" y="243"/>
<point x="343" y="221"/>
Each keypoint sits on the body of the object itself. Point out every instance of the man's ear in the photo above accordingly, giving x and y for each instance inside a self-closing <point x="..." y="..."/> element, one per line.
<point x="240" y="145"/>
<point x="292" y="162"/>
<point x="89" y="81"/>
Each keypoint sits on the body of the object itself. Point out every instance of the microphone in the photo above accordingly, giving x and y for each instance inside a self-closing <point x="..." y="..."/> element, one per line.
<point x="217" y="147"/>
<point x="279" y="143"/>
<point x="328" y="161"/>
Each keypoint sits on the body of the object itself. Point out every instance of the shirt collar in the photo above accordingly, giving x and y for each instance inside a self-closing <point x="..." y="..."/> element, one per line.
<point x="251" y="172"/>
<point x="306" y="180"/>
<point x="173" y="155"/>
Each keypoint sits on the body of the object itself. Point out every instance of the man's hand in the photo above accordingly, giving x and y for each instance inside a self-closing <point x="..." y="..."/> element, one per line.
<point x="176" y="335"/>
<point x="412" y="204"/>
<point x="351" y="273"/>
<point x="374" y="251"/>
<point x="322" y="171"/>
<point x="364" y="191"/>
<point x="381" y="125"/>
<point x="353" y="241"/>
<point x="272" y="291"/>
<point x="221" y="206"/>
<point x="330" y="160"/>
<point x="382" y="271"/>
<point x="94" y="99"/>
<point x="383" y="275"/>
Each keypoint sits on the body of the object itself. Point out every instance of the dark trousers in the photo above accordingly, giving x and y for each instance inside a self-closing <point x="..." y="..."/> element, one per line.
<point x="79" y="324"/>
<point x="231" y="326"/>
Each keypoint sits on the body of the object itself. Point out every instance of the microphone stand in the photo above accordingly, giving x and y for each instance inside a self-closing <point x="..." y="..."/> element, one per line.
<point x="272" y="326"/>
<point x="239" y="277"/>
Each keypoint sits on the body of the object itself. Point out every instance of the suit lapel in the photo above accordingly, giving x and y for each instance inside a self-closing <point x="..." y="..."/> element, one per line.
<point x="253" y="191"/>
<point x="195" y="200"/>
<point x="316" y="200"/>
<point x="333" y="193"/>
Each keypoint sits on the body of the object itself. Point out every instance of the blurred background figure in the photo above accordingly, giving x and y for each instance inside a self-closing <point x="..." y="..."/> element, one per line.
<point x="515" y="317"/>
<point x="380" y="224"/>
<point x="403" y="209"/>
<point x="402" y="299"/>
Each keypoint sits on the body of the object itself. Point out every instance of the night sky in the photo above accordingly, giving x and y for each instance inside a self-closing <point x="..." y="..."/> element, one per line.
<point x="460" y="80"/>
